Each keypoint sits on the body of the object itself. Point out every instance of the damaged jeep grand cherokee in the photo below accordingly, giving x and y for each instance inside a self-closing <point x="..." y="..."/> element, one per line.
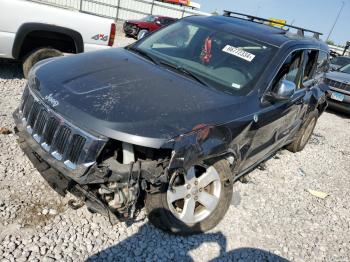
<point x="171" y="121"/>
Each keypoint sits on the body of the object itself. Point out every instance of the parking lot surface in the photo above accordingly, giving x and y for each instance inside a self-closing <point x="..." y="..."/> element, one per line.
<point x="273" y="215"/>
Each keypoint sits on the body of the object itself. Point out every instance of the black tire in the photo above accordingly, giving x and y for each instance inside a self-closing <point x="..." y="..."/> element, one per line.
<point x="142" y="33"/>
<point x="37" y="55"/>
<point x="304" y="134"/>
<point x="160" y="215"/>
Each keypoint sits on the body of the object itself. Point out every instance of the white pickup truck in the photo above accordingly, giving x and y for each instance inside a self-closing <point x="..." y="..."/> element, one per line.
<point x="30" y="32"/>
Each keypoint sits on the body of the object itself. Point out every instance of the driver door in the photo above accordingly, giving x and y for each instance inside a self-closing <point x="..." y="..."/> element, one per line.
<point x="276" y="121"/>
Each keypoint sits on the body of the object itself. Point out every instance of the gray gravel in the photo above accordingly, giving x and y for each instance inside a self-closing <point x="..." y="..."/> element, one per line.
<point x="272" y="216"/>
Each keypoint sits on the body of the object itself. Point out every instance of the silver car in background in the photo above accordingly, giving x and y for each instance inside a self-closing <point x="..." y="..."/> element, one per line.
<point x="339" y="83"/>
<point x="339" y="61"/>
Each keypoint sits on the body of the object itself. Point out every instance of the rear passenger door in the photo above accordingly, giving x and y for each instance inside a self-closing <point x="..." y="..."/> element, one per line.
<point x="309" y="80"/>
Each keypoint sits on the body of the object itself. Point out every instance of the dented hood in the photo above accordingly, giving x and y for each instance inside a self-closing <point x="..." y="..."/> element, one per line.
<point x="123" y="96"/>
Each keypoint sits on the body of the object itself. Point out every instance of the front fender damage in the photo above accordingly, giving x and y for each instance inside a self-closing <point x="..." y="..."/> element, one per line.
<point x="111" y="186"/>
<point x="207" y="144"/>
<point x="199" y="145"/>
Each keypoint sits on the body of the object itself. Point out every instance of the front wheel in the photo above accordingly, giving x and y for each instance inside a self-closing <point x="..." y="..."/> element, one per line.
<point x="142" y="33"/>
<point x="193" y="202"/>
<point x="304" y="134"/>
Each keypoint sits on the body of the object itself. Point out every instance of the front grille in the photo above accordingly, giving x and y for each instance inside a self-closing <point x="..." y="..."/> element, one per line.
<point x="33" y="114"/>
<point x="77" y="145"/>
<point x="24" y="98"/>
<point x="127" y="26"/>
<point x="61" y="139"/>
<point x="337" y="84"/>
<point x="50" y="130"/>
<point x="130" y="28"/>
<point x="40" y="122"/>
<point x="27" y="106"/>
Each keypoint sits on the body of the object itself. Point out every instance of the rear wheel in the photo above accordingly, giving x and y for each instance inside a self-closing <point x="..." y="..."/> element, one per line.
<point x="193" y="202"/>
<point x="142" y="33"/>
<point x="304" y="134"/>
<point x="36" y="56"/>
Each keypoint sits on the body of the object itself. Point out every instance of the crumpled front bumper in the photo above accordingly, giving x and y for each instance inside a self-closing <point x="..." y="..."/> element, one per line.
<point x="55" y="172"/>
<point x="42" y="160"/>
<point x="82" y="175"/>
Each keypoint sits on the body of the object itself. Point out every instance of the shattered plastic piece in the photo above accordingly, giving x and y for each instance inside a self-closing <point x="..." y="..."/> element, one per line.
<point x="301" y="172"/>
<point x="236" y="198"/>
<point x="318" y="194"/>
<point x="244" y="179"/>
<point x="5" y="131"/>
<point x="262" y="166"/>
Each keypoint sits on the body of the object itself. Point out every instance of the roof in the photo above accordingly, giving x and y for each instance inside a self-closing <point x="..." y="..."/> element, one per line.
<point x="258" y="31"/>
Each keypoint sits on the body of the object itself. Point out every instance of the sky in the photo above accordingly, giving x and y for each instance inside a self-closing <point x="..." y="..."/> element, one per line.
<point x="317" y="15"/>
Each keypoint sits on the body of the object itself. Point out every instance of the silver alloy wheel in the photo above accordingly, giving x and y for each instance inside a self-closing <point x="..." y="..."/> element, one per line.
<point x="141" y="34"/>
<point x="197" y="197"/>
<point x="308" y="132"/>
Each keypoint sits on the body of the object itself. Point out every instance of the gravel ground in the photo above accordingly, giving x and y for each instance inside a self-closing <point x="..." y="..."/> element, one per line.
<point x="272" y="216"/>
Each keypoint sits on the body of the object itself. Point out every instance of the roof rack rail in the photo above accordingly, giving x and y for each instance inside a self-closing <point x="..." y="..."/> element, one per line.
<point x="252" y="18"/>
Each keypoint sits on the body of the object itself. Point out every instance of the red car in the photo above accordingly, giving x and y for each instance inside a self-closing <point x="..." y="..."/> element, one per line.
<point x="177" y="2"/>
<point x="140" y="28"/>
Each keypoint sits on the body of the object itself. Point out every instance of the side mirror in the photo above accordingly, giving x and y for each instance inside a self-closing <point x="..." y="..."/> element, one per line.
<point x="284" y="91"/>
<point x="158" y="22"/>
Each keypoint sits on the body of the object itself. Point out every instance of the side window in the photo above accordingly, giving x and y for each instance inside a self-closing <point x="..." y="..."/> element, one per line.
<point x="290" y="70"/>
<point x="322" y="62"/>
<point x="309" y="65"/>
<point x="167" y="21"/>
<point x="160" y="21"/>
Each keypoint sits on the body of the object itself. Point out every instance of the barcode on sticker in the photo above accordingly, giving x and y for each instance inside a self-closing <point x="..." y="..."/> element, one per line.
<point x="238" y="52"/>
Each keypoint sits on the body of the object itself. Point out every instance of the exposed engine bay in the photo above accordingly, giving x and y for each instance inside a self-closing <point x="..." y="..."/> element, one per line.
<point x="123" y="172"/>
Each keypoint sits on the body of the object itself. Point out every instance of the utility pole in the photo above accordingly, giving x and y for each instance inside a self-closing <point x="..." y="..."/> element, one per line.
<point x="336" y="19"/>
<point x="257" y="10"/>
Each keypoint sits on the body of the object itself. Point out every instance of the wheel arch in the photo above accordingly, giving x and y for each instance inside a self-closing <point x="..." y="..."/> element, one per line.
<point x="28" y="30"/>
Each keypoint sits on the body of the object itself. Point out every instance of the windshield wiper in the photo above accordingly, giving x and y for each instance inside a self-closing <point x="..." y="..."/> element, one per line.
<point x="144" y="54"/>
<point x="173" y="66"/>
<point x="184" y="71"/>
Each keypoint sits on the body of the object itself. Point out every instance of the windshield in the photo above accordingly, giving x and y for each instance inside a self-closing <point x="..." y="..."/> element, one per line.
<point x="341" y="61"/>
<point x="345" y="69"/>
<point x="149" y="18"/>
<point x="220" y="59"/>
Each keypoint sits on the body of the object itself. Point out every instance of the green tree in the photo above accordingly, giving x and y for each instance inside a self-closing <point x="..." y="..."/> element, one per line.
<point x="215" y="13"/>
<point x="329" y="42"/>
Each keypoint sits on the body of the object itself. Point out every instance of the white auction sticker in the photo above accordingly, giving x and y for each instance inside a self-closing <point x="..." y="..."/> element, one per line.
<point x="238" y="52"/>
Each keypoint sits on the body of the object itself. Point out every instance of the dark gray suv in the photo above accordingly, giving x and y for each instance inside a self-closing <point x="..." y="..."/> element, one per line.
<point x="174" y="119"/>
